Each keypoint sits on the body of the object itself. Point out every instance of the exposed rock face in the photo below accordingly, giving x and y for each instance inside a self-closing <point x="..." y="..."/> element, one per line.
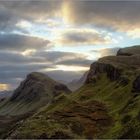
<point x="96" y="68"/>
<point x="37" y="85"/>
<point x="136" y="84"/>
<point x="127" y="59"/>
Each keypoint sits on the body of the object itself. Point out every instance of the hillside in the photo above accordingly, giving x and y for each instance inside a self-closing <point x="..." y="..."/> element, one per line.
<point x="36" y="91"/>
<point x="106" y="106"/>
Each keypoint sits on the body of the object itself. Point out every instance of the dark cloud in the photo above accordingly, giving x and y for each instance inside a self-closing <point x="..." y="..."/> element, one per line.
<point x="7" y="19"/>
<point x="76" y="62"/>
<point x="21" y="42"/>
<point x="12" y="12"/>
<point x="56" y="56"/>
<point x="110" y="14"/>
<point x="11" y="57"/>
<point x="33" y="8"/>
<point x="84" y="37"/>
<point x="119" y="15"/>
<point x="24" y="67"/>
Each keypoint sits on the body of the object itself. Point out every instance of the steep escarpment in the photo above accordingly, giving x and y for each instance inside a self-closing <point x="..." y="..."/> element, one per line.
<point x="115" y="66"/>
<point x="121" y="91"/>
<point x="106" y="106"/>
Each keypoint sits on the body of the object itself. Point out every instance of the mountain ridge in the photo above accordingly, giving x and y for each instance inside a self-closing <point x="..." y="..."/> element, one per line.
<point x="106" y="106"/>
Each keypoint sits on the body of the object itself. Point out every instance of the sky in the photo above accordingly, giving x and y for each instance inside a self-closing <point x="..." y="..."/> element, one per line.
<point x="62" y="38"/>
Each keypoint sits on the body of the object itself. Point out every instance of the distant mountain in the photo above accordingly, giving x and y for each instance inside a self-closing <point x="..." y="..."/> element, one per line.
<point x="5" y="94"/>
<point x="77" y="83"/>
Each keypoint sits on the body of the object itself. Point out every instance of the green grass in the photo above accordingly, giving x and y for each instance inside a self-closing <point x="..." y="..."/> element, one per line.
<point x="51" y="120"/>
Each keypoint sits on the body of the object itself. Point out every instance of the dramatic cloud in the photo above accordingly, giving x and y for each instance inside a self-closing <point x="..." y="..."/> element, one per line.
<point x="56" y="56"/>
<point x="62" y="37"/>
<point x="21" y="42"/>
<point x="116" y="15"/>
<point x="76" y="62"/>
<point x="11" y="57"/>
<point x="120" y="15"/>
<point x="42" y="9"/>
<point x="7" y="19"/>
<point x="84" y="37"/>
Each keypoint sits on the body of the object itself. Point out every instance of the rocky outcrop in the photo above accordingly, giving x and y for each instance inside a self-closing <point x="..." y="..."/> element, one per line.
<point x="96" y="68"/>
<point x="127" y="59"/>
<point x="38" y="85"/>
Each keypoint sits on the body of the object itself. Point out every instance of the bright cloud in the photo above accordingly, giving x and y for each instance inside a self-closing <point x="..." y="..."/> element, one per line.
<point x="24" y="24"/>
<point x="4" y="87"/>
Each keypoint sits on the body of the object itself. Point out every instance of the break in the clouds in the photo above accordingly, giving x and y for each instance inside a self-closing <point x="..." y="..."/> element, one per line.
<point x="62" y="37"/>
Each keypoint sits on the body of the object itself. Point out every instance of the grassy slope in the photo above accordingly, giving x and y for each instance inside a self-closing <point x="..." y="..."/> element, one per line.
<point x="62" y="119"/>
<point x="13" y="111"/>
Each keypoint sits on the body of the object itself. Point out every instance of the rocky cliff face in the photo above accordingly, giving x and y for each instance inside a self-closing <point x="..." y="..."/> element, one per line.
<point x="117" y="67"/>
<point x="113" y="73"/>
